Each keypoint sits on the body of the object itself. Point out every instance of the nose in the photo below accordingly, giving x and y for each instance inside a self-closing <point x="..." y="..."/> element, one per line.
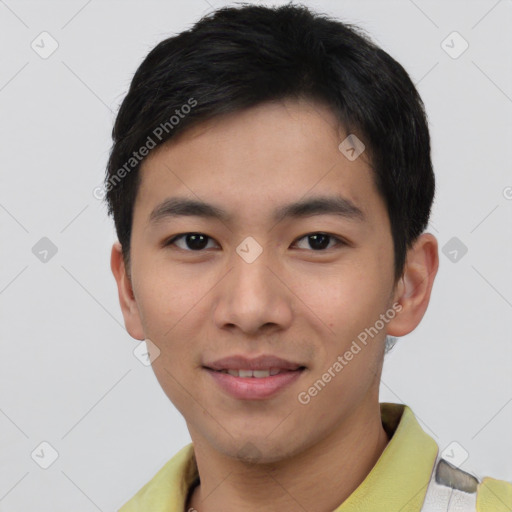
<point x="253" y="297"/>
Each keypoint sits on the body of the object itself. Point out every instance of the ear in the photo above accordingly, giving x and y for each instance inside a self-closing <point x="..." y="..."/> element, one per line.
<point x="414" y="287"/>
<point x="127" y="301"/>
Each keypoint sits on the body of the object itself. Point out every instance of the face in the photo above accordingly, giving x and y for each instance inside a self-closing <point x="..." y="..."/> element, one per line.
<point x="264" y="278"/>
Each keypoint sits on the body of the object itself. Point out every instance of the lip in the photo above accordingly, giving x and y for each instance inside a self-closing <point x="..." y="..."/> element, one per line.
<point x="262" y="362"/>
<point x="252" y="388"/>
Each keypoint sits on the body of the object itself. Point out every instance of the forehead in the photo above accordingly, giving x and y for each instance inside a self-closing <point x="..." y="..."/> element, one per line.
<point x="272" y="154"/>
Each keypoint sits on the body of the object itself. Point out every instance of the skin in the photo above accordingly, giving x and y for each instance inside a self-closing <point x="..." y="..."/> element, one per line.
<point x="293" y="301"/>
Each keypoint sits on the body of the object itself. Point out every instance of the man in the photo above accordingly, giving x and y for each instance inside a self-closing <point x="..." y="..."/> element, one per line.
<point x="270" y="182"/>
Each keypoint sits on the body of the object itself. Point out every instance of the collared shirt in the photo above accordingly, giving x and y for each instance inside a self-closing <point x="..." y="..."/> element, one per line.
<point x="397" y="482"/>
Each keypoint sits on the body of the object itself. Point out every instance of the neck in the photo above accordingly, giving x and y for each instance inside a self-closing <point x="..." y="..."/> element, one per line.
<point x="318" y="478"/>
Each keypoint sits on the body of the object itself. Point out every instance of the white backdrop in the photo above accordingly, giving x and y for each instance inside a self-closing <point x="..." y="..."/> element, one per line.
<point x="68" y="375"/>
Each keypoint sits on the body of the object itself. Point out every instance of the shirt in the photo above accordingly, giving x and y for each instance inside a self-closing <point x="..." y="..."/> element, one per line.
<point x="397" y="482"/>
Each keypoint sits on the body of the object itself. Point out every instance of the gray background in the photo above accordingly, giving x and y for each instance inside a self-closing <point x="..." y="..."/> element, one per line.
<point x="68" y="375"/>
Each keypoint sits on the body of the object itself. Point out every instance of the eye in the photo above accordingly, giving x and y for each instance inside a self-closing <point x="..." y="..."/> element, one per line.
<point x="192" y="241"/>
<point x="320" y="241"/>
<point x="196" y="242"/>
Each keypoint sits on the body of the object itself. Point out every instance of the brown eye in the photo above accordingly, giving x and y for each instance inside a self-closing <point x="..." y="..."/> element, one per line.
<point x="320" y="241"/>
<point x="190" y="241"/>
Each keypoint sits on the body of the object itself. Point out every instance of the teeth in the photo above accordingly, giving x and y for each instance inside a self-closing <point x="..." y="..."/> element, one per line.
<point x="258" y="374"/>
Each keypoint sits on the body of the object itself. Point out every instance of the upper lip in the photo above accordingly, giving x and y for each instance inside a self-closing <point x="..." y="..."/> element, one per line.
<point x="263" y="362"/>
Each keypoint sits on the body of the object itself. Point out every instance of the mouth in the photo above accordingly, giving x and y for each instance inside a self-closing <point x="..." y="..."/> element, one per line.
<point x="248" y="384"/>
<point x="256" y="374"/>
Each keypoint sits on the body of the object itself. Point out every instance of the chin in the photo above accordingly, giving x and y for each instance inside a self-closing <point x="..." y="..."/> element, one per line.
<point x="258" y="450"/>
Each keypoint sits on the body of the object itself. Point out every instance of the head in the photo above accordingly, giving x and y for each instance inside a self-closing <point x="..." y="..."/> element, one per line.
<point x="299" y="247"/>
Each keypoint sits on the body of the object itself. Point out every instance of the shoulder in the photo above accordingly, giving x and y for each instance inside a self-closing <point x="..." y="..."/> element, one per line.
<point x="494" y="495"/>
<point x="167" y="489"/>
<point x="451" y="488"/>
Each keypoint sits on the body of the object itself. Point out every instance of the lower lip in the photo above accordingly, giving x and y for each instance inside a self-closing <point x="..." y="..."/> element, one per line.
<point x="252" y="388"/>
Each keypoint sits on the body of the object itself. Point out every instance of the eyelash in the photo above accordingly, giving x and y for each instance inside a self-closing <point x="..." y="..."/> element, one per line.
<point x="340" y="242"/>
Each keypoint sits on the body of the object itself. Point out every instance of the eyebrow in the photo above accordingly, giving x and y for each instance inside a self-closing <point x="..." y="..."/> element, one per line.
<point x="320" y="205"/>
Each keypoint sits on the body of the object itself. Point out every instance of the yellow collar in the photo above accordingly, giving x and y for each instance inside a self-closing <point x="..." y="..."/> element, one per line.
<point x="398" y="481"/>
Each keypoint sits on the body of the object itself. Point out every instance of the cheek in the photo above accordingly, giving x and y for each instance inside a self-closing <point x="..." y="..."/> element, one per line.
<point x="346" y="298"/>
<point x="167" y="297"/>
<point x="350" y="306"/>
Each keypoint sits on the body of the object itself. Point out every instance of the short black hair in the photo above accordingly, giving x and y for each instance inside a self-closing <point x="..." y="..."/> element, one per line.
<point x="238" y="57"/>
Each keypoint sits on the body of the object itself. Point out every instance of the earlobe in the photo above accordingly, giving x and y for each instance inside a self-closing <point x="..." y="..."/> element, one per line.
<point x="126" y="296"/>
<point x="414" y="288"/>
